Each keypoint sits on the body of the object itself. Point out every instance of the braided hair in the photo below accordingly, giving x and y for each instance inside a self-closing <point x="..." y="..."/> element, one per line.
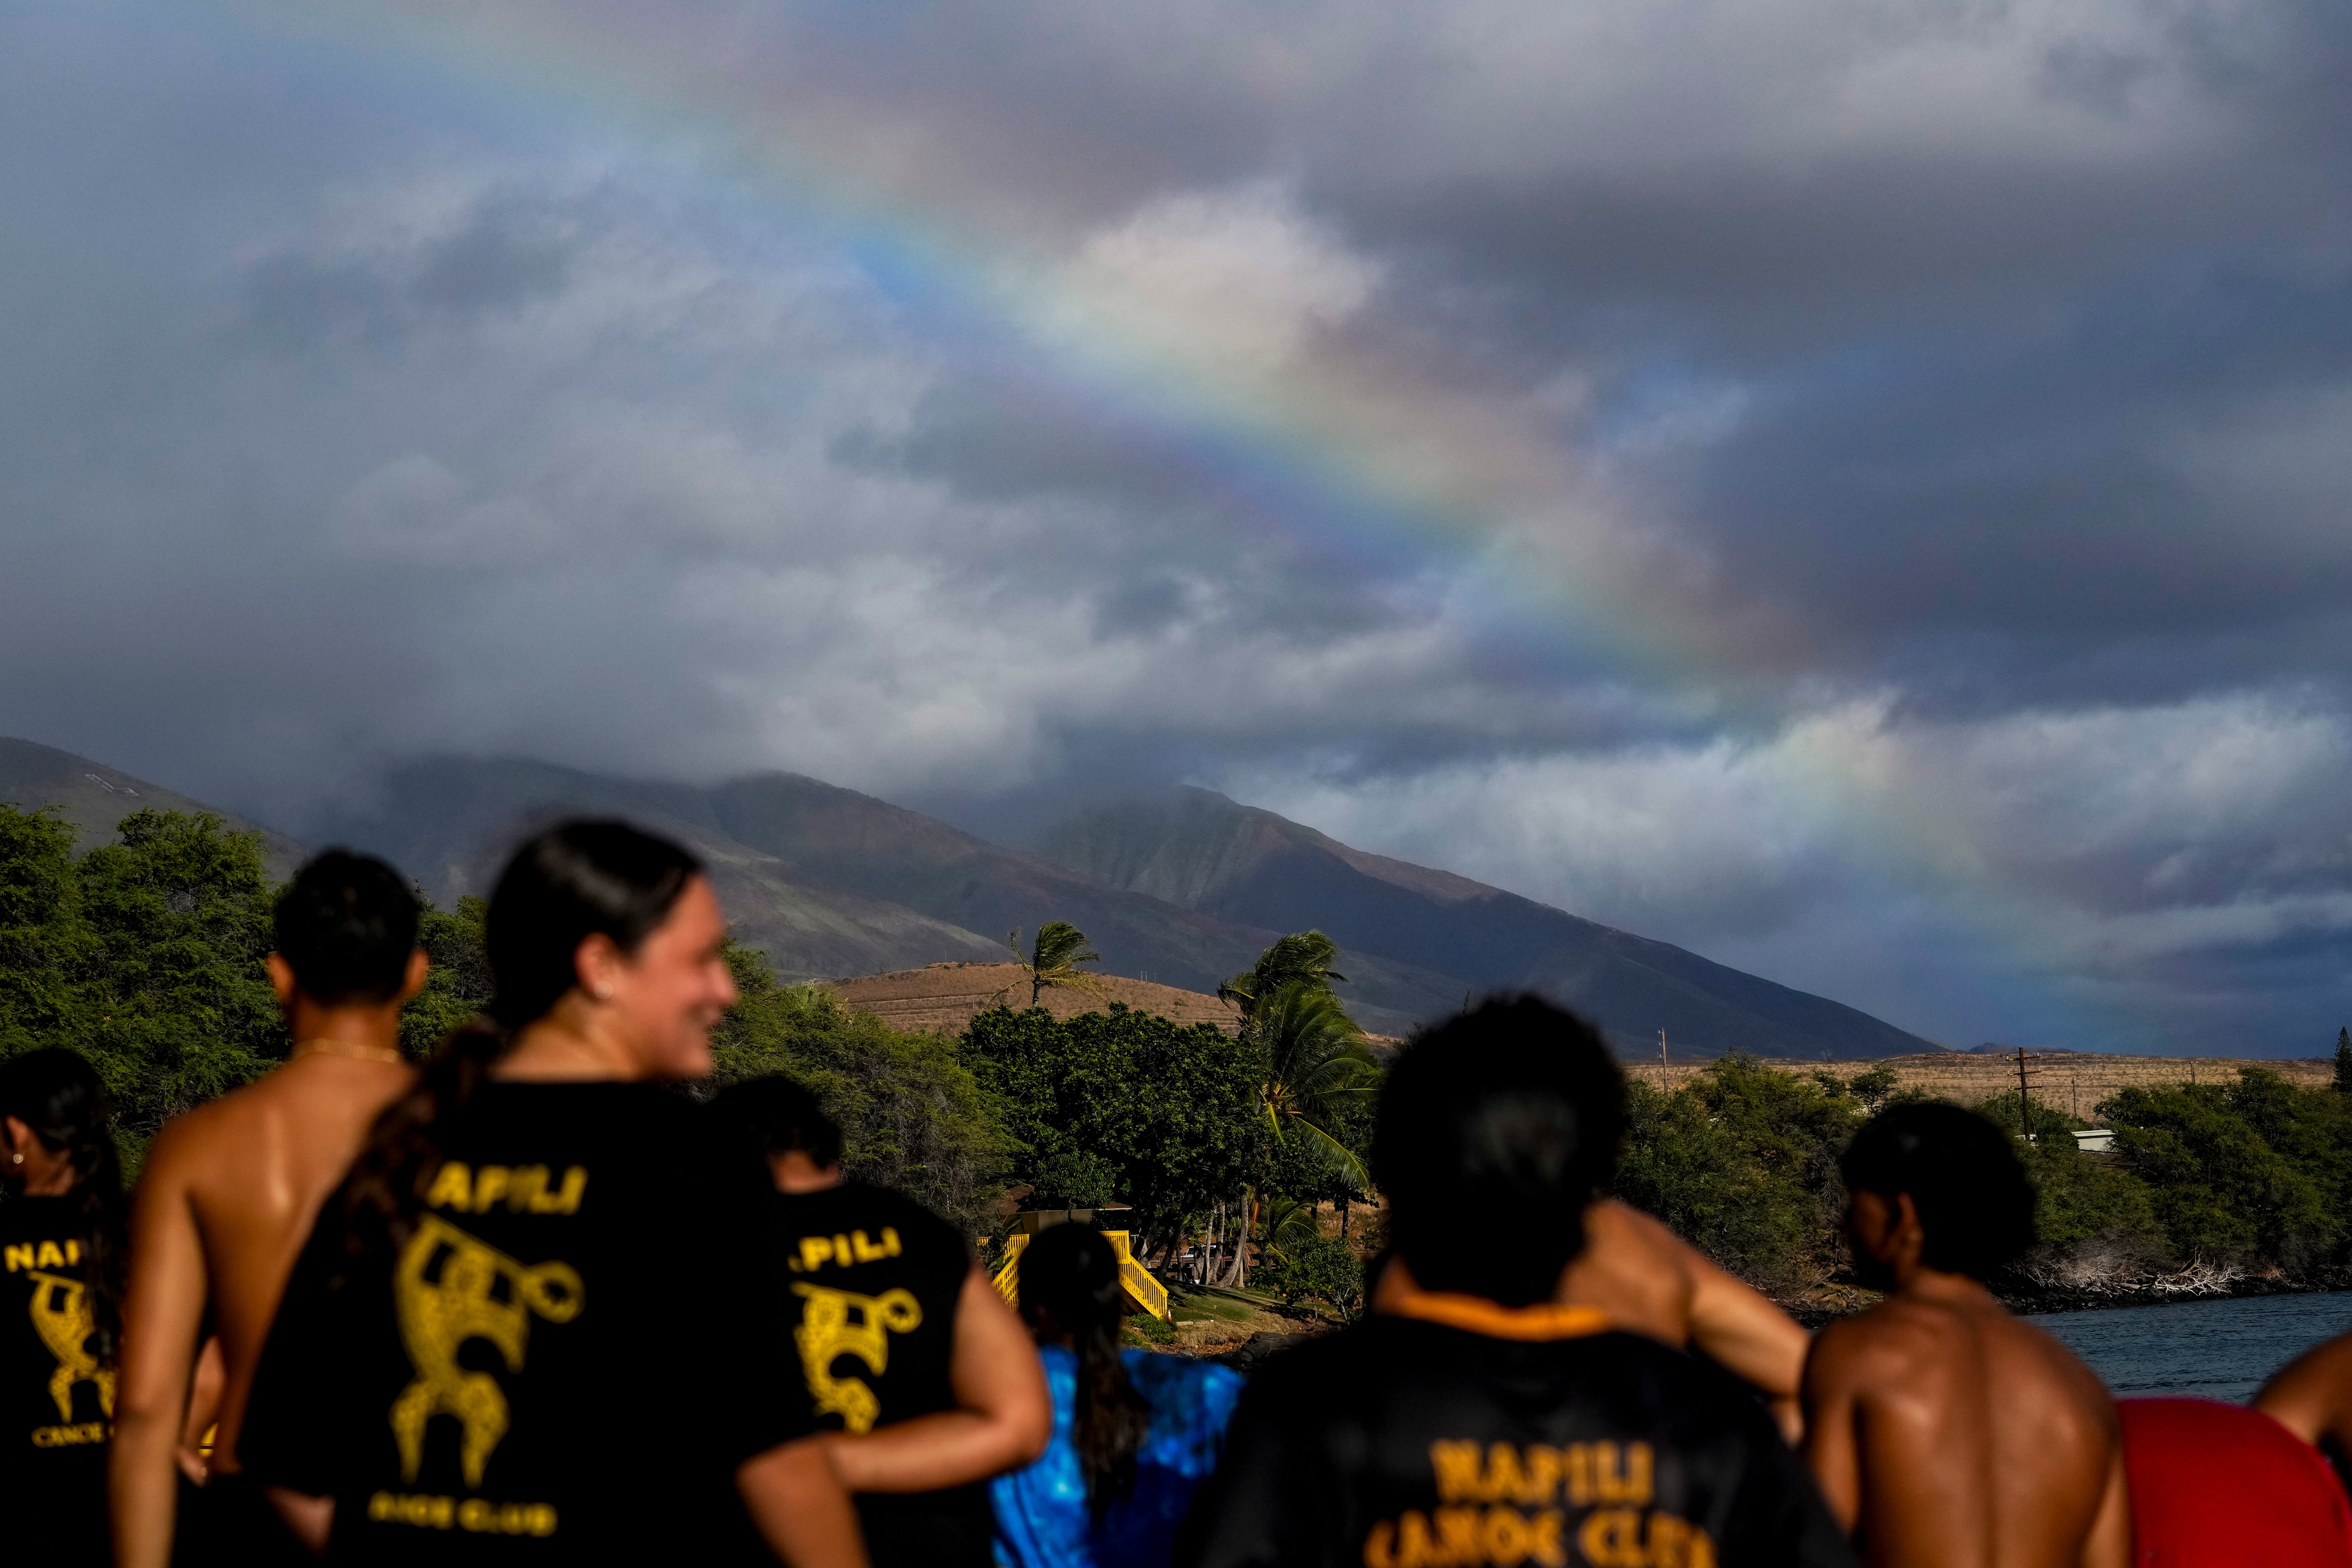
<point x="1069" y="1285"/>
<point x="58" y="1094"/>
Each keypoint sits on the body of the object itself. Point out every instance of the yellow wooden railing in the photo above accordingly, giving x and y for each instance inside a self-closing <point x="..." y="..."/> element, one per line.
<point x="1143" y="1293"/>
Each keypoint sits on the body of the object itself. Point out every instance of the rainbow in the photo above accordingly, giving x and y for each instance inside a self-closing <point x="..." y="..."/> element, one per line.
<point x="1359" y="452"/>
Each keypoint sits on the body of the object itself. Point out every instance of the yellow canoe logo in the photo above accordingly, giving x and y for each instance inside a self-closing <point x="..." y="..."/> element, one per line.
<point x="61" y="1317"/>
<point x="450" y="1287"/>
<point x="840" y="1322"/>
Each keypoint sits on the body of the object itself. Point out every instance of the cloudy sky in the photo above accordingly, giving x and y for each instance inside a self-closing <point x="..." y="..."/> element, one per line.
<point x="1861" y="487"/>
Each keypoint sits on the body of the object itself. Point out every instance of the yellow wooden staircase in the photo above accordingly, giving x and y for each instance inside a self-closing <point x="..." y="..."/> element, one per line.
<point x="1142" y="1292"/>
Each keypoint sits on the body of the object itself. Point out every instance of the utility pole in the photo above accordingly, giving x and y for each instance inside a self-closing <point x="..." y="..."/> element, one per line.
<point x="1662" y="1063"/>
<point x="2024" y="1104"/>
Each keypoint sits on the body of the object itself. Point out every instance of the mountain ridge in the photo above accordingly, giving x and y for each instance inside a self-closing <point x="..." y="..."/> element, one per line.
<point x="95" y="797"/>
<point x="1247" y="864"/>
<point x="1182" y="890"/>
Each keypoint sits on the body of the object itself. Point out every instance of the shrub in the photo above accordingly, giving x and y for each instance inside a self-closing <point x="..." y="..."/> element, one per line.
<point x="1320" y="1268"/>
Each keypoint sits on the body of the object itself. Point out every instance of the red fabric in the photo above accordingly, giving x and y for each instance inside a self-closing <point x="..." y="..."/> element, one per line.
<point x="2214" y="1486"/>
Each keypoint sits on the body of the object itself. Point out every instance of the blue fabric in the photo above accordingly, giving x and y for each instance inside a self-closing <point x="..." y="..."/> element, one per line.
<point x="1041" y="1512"/>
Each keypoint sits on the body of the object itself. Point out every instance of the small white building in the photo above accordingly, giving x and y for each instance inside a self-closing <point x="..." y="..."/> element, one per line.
<point x="2096" y="1139"/>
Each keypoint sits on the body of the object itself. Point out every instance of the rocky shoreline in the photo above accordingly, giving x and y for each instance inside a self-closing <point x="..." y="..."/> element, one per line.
<point x="2196" y="1283"/>
<point x="2111" y="1271"/>
<point x="2083" y="1276"/>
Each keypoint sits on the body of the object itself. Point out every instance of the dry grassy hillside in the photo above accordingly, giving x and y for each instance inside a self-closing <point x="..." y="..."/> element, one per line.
<point x="945" y="996"/>
<point x="2069" y="1081"/>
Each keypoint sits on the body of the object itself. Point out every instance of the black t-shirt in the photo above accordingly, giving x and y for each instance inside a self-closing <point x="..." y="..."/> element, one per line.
<point x="58" y="1401"/>
<point x="1399" y="1444"/>
<point x="567" y="1359"/>
<point x="873" y="1280"/>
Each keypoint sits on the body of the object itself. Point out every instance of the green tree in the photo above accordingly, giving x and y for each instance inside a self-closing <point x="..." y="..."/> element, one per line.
<point x="1171" y="1109"/>
<point x="1307" y="958"/>
<point x="1741" y="1161"/>
<point x="1055" y="958"/>
<point x="457" y="985"/>
<point x="1286" y="1222"/>
<point x="2344" y="1061"/>
<point x="912" y="1114"/>
<point x="178" y="912"/>
<point x="1872" y="1086"/>
<point x="2223" y="1190"/>
<point x="45" y="947"/>
<point x="1316" y="1268"/>
<point x="1317" y="1071"/>
<point x="2076" y="1196"/>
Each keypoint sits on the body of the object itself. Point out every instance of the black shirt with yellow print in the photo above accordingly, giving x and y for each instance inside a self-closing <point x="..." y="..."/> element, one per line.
<point x="873" y="1280"/>
<point x="59" y="1400"/>
<point x="1472" y="1436"/>
<point x="566" y="1361"/>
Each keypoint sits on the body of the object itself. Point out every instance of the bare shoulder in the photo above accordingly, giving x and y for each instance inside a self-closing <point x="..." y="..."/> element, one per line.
<point x="1613" y="1220"/>
<point x="2060" y="1365"/>
<point x="1635" y="1244"/>
<point x="186" y="1140"/>
<point x="1892" y="1344"/>
<point x="287" y="1107"/>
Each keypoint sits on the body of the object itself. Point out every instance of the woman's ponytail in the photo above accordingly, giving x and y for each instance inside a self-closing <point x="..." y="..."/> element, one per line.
<point x="1070" y="1284"/>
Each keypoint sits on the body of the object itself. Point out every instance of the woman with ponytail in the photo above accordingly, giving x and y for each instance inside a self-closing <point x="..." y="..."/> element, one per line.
<point x="1134" y="1434"/>
<point x="529" y="1326"/>
<point x="61" y="1242"/>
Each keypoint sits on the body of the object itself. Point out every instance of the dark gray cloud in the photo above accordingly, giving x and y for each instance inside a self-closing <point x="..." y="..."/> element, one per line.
<point x="1859" y="489"/>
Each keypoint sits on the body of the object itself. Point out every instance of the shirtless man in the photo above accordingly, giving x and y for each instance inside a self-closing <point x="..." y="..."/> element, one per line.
<point x="1945" y="1432"/>
<point x="230" y="1191"/>
<point x="1653" y="1283"/>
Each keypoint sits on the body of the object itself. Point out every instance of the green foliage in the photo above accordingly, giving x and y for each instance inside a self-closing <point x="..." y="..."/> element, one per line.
<point x="1872" y="1087"/>
<point x="1741" y="1161"/>
<point x="2259" y="1171"/>
<point x="912" y="1115"/>
<point x="1305" y="958"/>
<point x="1171" y="1109"/>
<point x="1060" y="948"/>
<point x="2343" y="1060"/>
<point x="1318" y="1267"/>
<point x="43" y="945"/>
<point x="144" y="955"/>
<point x="1286" y="1222"/>
<point x="1316" y="1070"/>
<point x="1144" y="1331"/>
<point x="457" y="985"/>
<point x="2076" y="1196"/>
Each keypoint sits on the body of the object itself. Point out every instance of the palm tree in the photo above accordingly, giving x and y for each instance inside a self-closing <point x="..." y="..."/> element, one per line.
<point x="1288" y="1222"/>
<point x="1304" y="957"/>
<point x="1317" y="1068"/>
<point x="1316" y="1063"/>
<point x="1060" y="948"/>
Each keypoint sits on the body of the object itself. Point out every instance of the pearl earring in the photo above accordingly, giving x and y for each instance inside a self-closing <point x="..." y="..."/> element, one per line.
<point x="18" y="1158"/>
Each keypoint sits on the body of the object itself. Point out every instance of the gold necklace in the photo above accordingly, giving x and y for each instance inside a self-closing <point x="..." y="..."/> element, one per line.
<point x="357" y="1053"/>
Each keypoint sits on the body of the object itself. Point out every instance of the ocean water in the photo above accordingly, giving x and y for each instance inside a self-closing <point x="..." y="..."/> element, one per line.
<point x="2203" y="1349"/>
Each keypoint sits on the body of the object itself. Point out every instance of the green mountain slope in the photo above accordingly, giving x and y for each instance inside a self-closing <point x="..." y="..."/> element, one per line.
<point x="1183" y="890"/>
<point x="450" y="822"/>
<point x="1200" y="850"/>
<point x="94" y="798"/>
